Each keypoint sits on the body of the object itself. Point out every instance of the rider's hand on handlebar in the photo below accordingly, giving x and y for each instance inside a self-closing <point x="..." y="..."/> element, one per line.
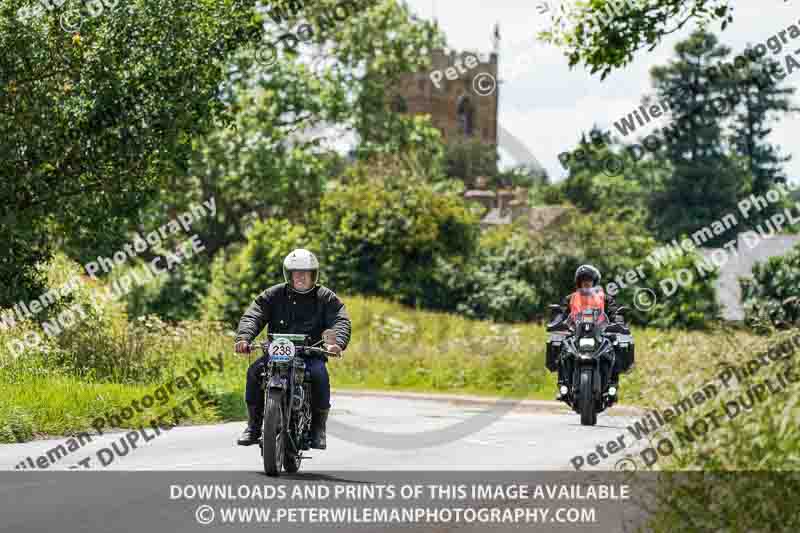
<point x="335" y="348"/>
<point x="242" y="347"/>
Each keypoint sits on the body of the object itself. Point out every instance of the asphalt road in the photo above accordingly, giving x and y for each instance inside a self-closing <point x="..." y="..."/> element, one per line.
<point x="365" y="432"/>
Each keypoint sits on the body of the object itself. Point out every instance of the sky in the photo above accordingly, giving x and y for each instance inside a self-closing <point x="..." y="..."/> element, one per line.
<point x="546" y="105"/>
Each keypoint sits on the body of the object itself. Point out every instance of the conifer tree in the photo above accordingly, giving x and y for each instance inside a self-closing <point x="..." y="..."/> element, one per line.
<point x="760" y="97"/>
<point x="705" y="182"/>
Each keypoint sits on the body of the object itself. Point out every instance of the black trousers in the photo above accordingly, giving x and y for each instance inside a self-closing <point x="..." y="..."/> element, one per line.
<point x="320" y="383"/>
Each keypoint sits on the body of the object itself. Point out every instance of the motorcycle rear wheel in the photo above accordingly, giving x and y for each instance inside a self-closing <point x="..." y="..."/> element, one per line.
<point x="273" y="435"/>
<point x="588" y="414"/>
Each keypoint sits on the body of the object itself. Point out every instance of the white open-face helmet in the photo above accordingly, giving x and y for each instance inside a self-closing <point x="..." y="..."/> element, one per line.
<point x="301" y="259"/>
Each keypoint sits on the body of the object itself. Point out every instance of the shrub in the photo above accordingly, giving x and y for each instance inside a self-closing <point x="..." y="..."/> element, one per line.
<point x="175" y="297"/>
<point x="548" y="194"/>
<point x="545" y="263"/>
<point x="747" y="461"/>
<point x="387" y="235"/>
<point x="772" y="296"/>
<point x="505" y="282"/>
<point x="16" y="425"/>
<point x="515" y="274"/>
<point x="97" y="345"/>
<point x="691" y="306"/>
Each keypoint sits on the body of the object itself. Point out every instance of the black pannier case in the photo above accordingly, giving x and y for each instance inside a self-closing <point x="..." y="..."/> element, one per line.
<point x="554" y="344"/>
<point x="624" y="351"/>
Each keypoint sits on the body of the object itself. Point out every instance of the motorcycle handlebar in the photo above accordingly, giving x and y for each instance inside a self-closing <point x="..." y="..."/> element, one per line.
<point x="308" y="349"/>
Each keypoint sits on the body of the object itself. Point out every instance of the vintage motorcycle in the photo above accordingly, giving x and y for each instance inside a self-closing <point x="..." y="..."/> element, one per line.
<point x="287" y="395"/>
<point x="586" y="347"/>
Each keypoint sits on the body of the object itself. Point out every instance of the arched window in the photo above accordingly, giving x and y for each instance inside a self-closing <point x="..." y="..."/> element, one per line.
<point x="465" y="113"/>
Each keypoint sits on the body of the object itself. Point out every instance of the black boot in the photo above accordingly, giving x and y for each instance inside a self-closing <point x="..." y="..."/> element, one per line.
<point x="318" y="420"/>
<point x="252" y="433"/>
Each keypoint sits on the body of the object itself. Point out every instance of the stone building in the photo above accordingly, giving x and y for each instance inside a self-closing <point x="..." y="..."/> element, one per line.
<point x="506" y="206"/>
<point x="455" y="108"/>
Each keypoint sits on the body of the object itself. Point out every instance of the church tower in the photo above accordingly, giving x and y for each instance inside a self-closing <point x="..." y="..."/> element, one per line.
<point x="456" y="108"/>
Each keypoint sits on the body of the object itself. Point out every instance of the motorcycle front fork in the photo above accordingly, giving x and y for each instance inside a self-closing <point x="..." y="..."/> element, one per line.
<point x="572" y="382"/>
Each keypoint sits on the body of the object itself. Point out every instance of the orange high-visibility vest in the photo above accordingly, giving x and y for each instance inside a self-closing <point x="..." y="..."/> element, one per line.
<point x="593" y="298"/>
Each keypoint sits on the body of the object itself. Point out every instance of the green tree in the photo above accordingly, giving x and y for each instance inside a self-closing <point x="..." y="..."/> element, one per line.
<point x="522" y="176"/>
<point x="387" y="230"/>
<point x="761" y="97"/>
<point x="605" y="34"/>
<point x="606" y="176"/>
<point x="704" y="183"/>
<point x="469" y="158"/>
<point x="102" y="128"/>
<point x="90" y="121"/>
<point x="277" y="157"/>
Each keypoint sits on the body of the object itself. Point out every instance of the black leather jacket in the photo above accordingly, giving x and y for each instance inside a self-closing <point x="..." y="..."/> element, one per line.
<point x="287" y="311"/>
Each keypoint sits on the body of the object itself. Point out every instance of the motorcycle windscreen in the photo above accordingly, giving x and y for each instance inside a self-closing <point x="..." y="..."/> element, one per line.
<point x="588" y="299"/>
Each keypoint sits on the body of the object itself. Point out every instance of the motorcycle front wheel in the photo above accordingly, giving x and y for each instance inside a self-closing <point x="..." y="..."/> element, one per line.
<point x="273" y="435"/>
<point x="291" y="460"/>
<point x="588" y="414"/>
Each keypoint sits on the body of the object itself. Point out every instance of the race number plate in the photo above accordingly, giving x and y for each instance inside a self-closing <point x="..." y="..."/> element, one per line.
<point x="281" y="350"/>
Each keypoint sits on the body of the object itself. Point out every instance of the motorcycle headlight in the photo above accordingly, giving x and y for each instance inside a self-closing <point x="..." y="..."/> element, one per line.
<point x="586" y="343"/>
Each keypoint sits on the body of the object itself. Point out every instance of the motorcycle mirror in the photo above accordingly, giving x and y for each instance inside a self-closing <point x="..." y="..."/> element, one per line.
<point x="329" y="336"/>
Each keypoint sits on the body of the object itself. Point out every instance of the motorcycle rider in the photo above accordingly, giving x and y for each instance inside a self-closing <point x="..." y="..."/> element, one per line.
<point x="587" y="294"/>
<point x="300" y="305"/>
<point x="586" y="277"/>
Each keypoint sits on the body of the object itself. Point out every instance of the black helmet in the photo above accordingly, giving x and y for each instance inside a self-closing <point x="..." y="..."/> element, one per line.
<point x="587" y="271"/>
